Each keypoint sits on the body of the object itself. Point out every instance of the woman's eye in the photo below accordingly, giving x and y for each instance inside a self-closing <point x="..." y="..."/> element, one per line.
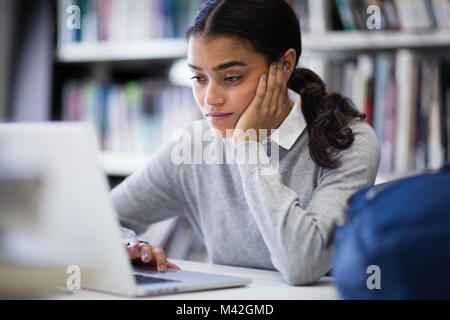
<point x="195" y="78"/>
<point x="234" y="79"/>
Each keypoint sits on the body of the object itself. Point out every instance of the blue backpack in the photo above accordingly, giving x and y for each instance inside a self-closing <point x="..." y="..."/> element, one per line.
<point x="395" y="243"/>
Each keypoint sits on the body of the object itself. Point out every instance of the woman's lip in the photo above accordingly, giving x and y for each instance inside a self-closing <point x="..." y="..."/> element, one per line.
<point x="218" y="117"/>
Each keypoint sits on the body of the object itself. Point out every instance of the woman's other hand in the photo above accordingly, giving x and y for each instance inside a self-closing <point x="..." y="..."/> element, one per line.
<point x="144" y="253"/>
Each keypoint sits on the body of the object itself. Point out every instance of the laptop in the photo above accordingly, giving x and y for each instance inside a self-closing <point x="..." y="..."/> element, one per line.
<point x="77" y="224"/>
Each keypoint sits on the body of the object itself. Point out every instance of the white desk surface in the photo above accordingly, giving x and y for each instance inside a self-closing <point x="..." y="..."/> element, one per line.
<point x="265" y="285"/>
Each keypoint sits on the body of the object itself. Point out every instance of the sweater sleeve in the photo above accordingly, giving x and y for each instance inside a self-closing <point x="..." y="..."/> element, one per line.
<point x="151" y="194"/>
<point x="296" y="237"/>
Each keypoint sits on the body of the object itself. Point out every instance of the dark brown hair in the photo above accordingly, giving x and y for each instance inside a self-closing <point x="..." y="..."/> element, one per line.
<point x="272" y="27"/>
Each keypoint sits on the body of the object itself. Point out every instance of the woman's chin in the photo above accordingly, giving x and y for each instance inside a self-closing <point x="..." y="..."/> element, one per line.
<point x="220" y="131"/>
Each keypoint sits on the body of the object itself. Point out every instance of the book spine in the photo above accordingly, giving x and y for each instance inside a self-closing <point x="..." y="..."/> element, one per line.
<point x="381" y="80"/>
<point x="387" y="156"/>
<point x="83" y="5"/>
<point x="300" y="7"/>
<point x="435" y="145"/>
<point x="421" y="128"/>
<point x="346" y="14"/>
<point x="404" y="14"/>
<point x="392" y="18"/>
<point x="103" y="10"/>
<point x="405" y="79"/>
<point x="320" y="14"/>
<point x="358" y="9"/>
<point x="441" y="12"/>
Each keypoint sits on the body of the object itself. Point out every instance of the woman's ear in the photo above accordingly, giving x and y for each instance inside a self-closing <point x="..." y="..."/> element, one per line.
<point x="289" y="58"/>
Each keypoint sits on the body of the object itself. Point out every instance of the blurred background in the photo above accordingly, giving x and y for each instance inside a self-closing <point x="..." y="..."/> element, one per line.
<point x="121" y="65"/>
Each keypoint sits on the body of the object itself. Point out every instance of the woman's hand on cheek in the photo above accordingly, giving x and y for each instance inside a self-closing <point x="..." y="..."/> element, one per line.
<point x="267" y="109"/>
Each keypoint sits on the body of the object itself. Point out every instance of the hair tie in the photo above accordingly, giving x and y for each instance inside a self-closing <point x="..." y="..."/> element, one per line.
<point x="336" y="110"/>
<point x="343" y="101"/>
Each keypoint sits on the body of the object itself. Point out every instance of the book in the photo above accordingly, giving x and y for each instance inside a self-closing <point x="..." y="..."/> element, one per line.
<point x="103" y="11"/>
<point x="360" y="15"/>
<point x="388" y="143"/>
<point x="370" y="10"/>
<point x="83" y="5"/>
<point x="435" y="143"/>
<point x="391" y="14"/>
<point x="346" y="14"/>
<point x="138" y="19"/>
<point x="441" y="12"/>
<point x="65" y="34"/>
<point x="405" y="72"/>
<point x="319" y="15"/>
<point x="349" y="76"/>
<point x="365" y="67"/>
<point x="335" y="74"/>
<point x="381" y="81"/>
<point x="414" y="14"/>
<point x="422" y="110"/>
<point x="89" y="21"/>
<point x="301" y="8"/>
<point x="383" y="67"/>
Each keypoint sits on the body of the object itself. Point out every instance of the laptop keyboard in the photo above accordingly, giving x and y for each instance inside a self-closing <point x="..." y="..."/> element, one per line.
<point x="140" y="279"/>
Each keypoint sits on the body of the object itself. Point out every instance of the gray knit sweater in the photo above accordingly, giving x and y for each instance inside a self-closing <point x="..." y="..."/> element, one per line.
<point x="247" y="217"/>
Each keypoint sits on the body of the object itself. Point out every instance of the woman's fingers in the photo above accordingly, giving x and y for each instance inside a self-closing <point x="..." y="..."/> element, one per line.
<point x="146" y="252"/>
<point x="133" y="249"/>
<point x="134" y="243"/>
<point x="276" y="85"/>
<point x="281" y="97"/>
<point x="261" y="90"/>
<point x="279" y="79"/>
<point x="172" y="266"/>
<point x="271" y="82"/>
<point x="160" y="257"/>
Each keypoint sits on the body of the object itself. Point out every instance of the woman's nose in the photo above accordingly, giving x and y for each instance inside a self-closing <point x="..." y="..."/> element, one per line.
<point x="213" y="96"/>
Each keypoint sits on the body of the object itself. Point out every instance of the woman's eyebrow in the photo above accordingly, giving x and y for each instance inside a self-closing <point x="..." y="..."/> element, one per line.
<point x="222" y="66"/>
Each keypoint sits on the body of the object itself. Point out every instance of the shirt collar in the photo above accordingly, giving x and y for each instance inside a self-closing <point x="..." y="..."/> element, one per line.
<point x="292" y="126"/>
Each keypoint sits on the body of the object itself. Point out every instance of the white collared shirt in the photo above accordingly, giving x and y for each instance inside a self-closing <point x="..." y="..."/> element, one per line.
<point x="292" y="126"/>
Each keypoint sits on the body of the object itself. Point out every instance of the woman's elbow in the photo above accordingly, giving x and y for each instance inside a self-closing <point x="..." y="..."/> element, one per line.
<point x="306" y="274"/>
<point x="301" y="278"/>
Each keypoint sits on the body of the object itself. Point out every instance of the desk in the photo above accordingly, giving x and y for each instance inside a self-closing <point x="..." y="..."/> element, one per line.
<point x="265" y="285"/>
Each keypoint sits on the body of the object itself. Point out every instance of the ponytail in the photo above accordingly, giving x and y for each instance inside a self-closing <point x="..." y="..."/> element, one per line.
<point x="327" y="117"/>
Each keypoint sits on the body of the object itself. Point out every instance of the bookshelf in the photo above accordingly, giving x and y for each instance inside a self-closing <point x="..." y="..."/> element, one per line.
<point x="378" y="40"/>
<point x="397" y="50"/>
<point x="106" y="51"/>
<point x="177" y="48"/>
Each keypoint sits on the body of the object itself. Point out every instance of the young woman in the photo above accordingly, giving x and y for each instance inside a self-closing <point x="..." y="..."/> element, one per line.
<point x="243" y="55"/>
